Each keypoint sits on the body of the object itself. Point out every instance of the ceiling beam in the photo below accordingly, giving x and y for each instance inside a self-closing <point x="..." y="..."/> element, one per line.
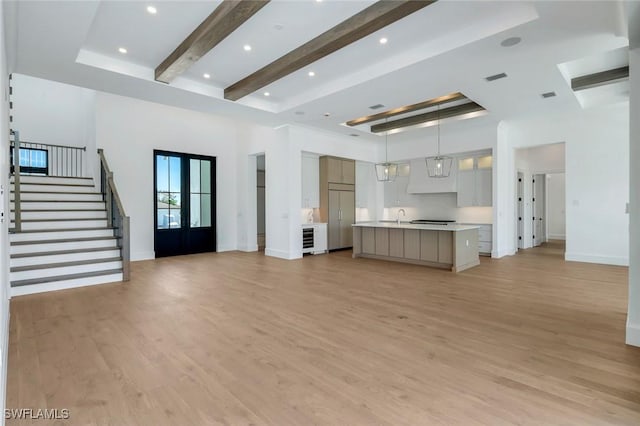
<point x="600" y="78"/>
<point x="453" y="111"/>
<point x="408" y="108"/>
<point x="360" y="25"/>
<point x="224" y="20"/>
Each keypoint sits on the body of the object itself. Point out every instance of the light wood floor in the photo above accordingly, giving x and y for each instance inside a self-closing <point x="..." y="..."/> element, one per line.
<point x="240" y="338"/>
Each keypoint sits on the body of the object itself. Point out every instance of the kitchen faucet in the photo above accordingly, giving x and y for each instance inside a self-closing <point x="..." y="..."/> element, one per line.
<point x="398" y="217"/>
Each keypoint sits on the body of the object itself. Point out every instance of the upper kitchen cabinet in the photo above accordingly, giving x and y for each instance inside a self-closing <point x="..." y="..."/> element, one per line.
<point x="310" y="181"/>
<point x="421" y="183"/>
<point x="475" y="181"/>
<point x="340" y="170"/>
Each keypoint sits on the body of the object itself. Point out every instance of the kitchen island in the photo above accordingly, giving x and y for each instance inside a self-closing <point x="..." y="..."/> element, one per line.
<point x="453" y="247"/>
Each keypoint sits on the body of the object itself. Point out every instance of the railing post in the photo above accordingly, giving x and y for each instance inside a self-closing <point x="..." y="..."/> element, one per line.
<point x="126" y="255"/>
<point x="109" y="196"/>
<point x="16" y="183"/>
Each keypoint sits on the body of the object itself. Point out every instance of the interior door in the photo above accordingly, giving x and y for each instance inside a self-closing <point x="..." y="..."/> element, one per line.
<point x="538" y="210"/>
<point x="347" y="217"/>
<point x="184" y="203"/>
<point x="520" y="193"/>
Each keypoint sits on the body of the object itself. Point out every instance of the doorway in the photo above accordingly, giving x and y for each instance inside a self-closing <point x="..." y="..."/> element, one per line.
<point x="260" y="191"/>
<point x="184" y="203"/>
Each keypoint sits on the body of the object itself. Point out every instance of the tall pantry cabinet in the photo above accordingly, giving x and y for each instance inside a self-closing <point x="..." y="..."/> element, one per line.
<point x="337" y="200"/>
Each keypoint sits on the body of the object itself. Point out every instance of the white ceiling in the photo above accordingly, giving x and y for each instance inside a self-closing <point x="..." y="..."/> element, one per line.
<point x="447" y="47"/>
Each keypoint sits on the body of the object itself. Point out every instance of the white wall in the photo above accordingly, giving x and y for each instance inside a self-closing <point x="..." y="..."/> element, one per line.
<point x="129" y="130"/>
<point x="54" y="113"/>
<point x="4" y="207"/>
<point x="556" y="213"/>
<point x="597" y="178"/>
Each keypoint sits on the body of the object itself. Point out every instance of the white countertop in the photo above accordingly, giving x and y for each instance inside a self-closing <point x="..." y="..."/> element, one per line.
<point x="407" y="225"/>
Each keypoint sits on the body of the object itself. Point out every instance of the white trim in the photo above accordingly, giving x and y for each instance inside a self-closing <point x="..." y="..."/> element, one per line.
<point x="5" y="355"/>
<point x="557" y="237"/>
<point x="633" y="334"/>
<point x="248" y="248"/>
<point x="66" y="284"/>
<point x="501" y="253"/>
<point x="281" y="254"/>
<point x="589" y="258"/>
<point x="223" y="249"/>
<point x="143" y="255"/>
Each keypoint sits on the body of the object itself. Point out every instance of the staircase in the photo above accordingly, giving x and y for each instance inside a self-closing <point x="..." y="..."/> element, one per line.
<point x="65" y="240"/>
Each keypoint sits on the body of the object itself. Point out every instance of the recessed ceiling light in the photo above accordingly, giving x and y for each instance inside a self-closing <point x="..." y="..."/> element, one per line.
<point x="311" y="73"/>
<point x="122" y="50"/>
<point x="247" y="47"/>
<point x="152" y="10"/>
<point x="205" y="75"/>
<point x="267" y="94"/>
<point x="327" y="114"/>
<point x="383" y="40"/>
<point x="511" y="41"/>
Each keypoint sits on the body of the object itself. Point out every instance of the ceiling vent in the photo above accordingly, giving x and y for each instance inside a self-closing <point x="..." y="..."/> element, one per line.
<point x="496" y="77"/>
<point x="354" y="135"/>
<point x="376" y="106"/>
<point x="549" y="95"/>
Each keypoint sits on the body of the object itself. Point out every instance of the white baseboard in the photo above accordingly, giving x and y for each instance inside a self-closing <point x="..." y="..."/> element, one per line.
<point x="633" y="334"/>
<point x="5" y="355"/>
<point x="248" y="248"/>
<point x="502" y="253"/>
<point x="281" y="254"/>
<point x="557" y="237"/>
<point x="143" y="255"/>
<point x="589" y="258"/>
<point x="225" y="248"/>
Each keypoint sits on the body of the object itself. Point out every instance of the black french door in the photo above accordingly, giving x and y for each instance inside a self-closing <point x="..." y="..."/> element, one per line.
<point x="184" y="203"/>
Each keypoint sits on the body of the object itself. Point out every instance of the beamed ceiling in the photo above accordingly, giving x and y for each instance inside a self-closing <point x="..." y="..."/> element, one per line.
<point x="322" y="63"/>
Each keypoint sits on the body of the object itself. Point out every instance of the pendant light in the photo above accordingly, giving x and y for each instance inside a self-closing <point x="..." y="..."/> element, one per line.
<point x="386" y="172"/>
<point x="439" y="166"/>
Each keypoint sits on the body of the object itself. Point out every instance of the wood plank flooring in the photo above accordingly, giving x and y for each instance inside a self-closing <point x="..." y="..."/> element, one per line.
<point x="240" y="338"/>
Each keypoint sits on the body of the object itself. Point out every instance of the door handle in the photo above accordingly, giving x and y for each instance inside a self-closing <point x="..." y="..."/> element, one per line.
<point x="339" y="214"/>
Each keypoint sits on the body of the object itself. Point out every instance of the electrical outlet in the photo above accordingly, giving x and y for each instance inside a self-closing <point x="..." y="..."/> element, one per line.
<point x="467" y="243"/>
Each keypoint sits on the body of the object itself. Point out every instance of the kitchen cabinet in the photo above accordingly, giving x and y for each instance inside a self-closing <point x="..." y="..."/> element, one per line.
<point x="310" y="181"/>
<point x="337" y="200"/>
<point x="342" y="214"/>
<point x="340" y="170"/>
<point x="314" y="238"/>
<point x="475" y="181"/>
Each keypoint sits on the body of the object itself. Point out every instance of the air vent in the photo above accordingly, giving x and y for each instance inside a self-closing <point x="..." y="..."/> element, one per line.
<point x="354" y="135"/>
<point x="496" y="77"/>
<point x="376" y="106"/>
<point x="549" y="95"/>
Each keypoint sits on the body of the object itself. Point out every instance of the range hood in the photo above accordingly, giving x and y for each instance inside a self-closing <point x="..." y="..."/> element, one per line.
<point x="421" y="183"/>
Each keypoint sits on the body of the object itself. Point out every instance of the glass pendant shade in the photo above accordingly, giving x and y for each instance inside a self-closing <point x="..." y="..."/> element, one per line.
<point x="386" y="172"/>
<point x="439" y="166"/>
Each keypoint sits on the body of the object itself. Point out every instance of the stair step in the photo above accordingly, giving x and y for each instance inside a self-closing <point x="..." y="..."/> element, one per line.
<point x="63" y="264"/>
<point x="52" y="187"/>
<point x="43" y="258"/>
<point x="54" y="180"/>
<point x="39" y="285"/>
<point x="60" y="205"/>
<point x="58" y="224"/>
<point x="25" y="247"/>
<point x="61" y="214"/>
<point x="62" y="269"/>
<point x="58" y="196"/>
<point x="58" y="234"/>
